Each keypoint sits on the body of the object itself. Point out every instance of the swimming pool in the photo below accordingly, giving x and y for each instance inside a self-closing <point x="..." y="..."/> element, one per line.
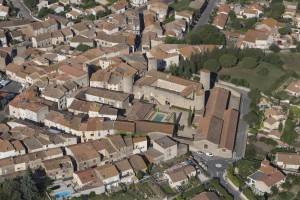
<point x="159" y="117"/>
<point x="65" y="193"/>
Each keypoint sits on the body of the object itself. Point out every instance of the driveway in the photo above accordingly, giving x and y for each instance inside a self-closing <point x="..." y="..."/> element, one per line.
<point x="205" y="15"/>
<point x="23" y="10"/>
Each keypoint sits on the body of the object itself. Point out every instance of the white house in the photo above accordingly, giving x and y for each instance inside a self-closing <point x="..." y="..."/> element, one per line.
<point x="288" y="161"/>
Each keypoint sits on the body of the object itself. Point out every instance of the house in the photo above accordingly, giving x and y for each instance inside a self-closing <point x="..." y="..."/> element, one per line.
<point x="137" y="163"/>
<point x="187" y="15"/>
<point x="126" y="171"/>
<point x="4" y="12"/>
<point x="161" y="9"/>
<point x="288" y="161"/>
<point x="84" y="155"/>
<point x="223" y="8"/>
<point x="154" y="156"/>
<point x="206" y="196"/>
<point x="138" y="3"/>
<point x="76" y="75"/>
<point x="220" y="21"/>
<point x="6" y="166"/>
<point x="109" y="175"/>
<point x="78" y="39"/>
<point x="6" y="149"/>
<point x="42" y="4"/>
<point x="166" y="146"/>
<point x="58" y="168"/>
<point x="57" y="8"/>
<point x="42" y="40"/>
<point x="275" y="112"/>
<point x="256" y="39"/>
<point x="270" y="124"/>
<point x="3" y="39"/>
<point x="180" y="176"/>
<point x="253" y="10"/>
<point x="140" y="144"/>
<point x="294" y="89"/>
<point x="73" y="14"/>
<point x="265" y="178"/>
<point x="117" y="8"/>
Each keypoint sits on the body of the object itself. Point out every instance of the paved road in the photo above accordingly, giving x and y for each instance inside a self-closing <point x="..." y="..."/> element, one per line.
<point x="216" y="167"/>
<point x="23" y="10"/>
<point x="205" y="15"/>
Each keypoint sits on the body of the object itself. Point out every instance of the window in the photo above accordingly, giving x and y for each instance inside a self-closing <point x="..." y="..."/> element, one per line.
<point x="84" y="163"/>
<point x="205" y="146"/>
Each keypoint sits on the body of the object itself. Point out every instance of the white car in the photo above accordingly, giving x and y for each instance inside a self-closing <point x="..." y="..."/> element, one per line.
<point x="209" y="154"/>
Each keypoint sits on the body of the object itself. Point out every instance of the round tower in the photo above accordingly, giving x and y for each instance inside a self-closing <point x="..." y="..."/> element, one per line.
<point x="205" y="78"/>
<point x="127" y="83"/>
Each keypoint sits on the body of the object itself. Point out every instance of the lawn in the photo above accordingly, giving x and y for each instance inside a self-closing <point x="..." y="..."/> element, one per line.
<point x="263" y="83"/>
<point x="291" y="61"/>
<point x="181" y="5"/>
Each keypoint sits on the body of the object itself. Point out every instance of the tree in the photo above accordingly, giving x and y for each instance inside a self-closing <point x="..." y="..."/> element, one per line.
<point x="174" y="118"/>
<point x="249" y="23"/>
<point x="236" y="24"/>
<point x="224" y="77"/>
<point x="284" y="30"/>
<point x="275" y="48"/>
<point x="273" y="58"/>
<point x="248" y="62"/>
<point x="250" y="152"/>
<point x="280" y="127"/>
<point x="206" y="34"/>
<point x="28" y="187"/>
<point x="92" y="195"/>
<point x="274" y="190"/>
<point x="213" y="65"/>
<point x="263" y="71"/>
<point x="231" y="15"/>
<point x="44" y="12"/>
<point x="174" y="69"/>
<point x="83" y="48"/>
<point x="13" y="189"/>
<point x="228" y="60"/>
<point x="277" y="9"/>
<point x="190" y="117"/>
<point x="252" y="119"/>
<point x="140" y="174"/>
<point x="254" y="95"/>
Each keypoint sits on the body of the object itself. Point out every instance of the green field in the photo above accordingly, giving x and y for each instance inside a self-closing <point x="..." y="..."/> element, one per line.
<point x="291" y="61"/>
<point x="181" y="5"/>
<point x="263" y="83"/>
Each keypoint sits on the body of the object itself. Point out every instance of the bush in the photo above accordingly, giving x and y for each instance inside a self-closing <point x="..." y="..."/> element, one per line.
<point x="228" y="60"/>
<point x="224" y="77"/>
<point x="213" y="65"/>
<point x="249" y="194"/>
<point x="263" y="71"/>
<point x="248" y="62"/>
<point x="275" y="48"/>
<point x="273" y="58"/>
<point x="140" y="174"/>
<point x="83" y="48"/>
<point x="268" y="141"/>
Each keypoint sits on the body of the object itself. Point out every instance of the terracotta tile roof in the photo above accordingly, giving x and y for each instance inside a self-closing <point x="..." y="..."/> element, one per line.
<point x="229" y="129"/>
<point x="210" y="128"/>
<point x="87" y="176"/>
<point x="220" y="20"/>
<point x="126" y="126"/>
<point x="6" y="146"/>
<point x="137" y="163"/>
<point x="217" y="102"/>
<point x="123" y="165"/>
<point x="6" y="162"/>
<point x="149" y="126"/>
<point x="58" y="163"/>
<point x="255" y="7"/>
<point x="165" y="142"/>
<point x="206" y="196"/>
<point x="224" y="8"/>
<point x="107" y="171"/>
<point x="271" y="23"/>
<point x="71" y="71"/>
<point x="288" y="158"/>
<point x="83" y="152"/>
<point x="294" y="87"/>
<point x="253" y="35"/>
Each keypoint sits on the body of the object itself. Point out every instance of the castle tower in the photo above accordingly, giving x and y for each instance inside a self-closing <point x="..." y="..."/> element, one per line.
<point x="205" y="79"/>
<point x="127" y="83"/>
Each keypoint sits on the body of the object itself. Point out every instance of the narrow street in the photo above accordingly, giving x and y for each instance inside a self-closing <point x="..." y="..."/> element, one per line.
<point x="205" y="15"/>
<point x="23" y="10"/>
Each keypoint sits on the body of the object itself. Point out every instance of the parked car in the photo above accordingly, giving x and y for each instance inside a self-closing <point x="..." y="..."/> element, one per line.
<point x="209" y="154"/>
<point x="199" y="152"/>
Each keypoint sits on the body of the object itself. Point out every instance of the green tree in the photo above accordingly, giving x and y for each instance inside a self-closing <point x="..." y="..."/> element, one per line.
<point x="206" y="34"/>
<point x="280" y="127"/>
<point x="274" y="190"/>
<point x="140" y="174"/>
<point x="254" y="95"/>
<point x="92" y="195"/>
<point x="187" y="72"/>
<point x="28" y="187"/>
<point x="236" y="24"/>
<point x="83" y="48"/>
<point x="284" y="30"/>
<point x="44" y="12"/>
<point x="228" y="60"/>
<point x="174" y="69"/>
<point x="252" y="119"/>
<point x="250" y="151"/>
<point x="277" y="9"/>
<point x="263" y="71"/>
<point x="275" y="48"/>
<point x="248" y="62"/>
<point x="231" y="15"/>
<point x="193" y="67"/>
<point x="224" y="77"/>
<point x="213" y="65"/>
<point x="13" y="189"/>
<point x="190" y="117"/>
<point x="249" y="23"/>
<point x="273" y="58"/>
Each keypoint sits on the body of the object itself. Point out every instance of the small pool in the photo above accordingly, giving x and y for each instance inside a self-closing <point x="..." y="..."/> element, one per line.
<point x="159" y="117"/>
<point x="65" y="193"/>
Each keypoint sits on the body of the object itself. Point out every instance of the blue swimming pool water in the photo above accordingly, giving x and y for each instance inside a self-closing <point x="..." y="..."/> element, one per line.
<point x="65" y="193"/>
<point x="158" y="117"/>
